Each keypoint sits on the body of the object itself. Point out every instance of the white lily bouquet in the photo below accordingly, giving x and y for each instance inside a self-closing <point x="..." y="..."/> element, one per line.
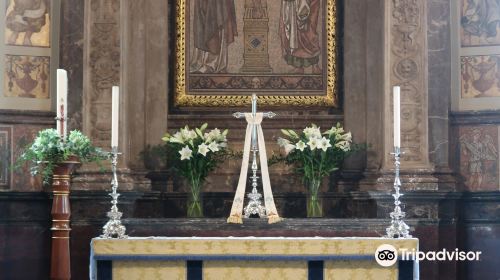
<point x="194" y="153"/>
<point x="315" y="155"/>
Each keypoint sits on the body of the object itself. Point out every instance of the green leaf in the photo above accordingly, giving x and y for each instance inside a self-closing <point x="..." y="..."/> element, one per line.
<point x="285" y="132"/>
<point x="293" y="134"/>
<point x="199" y="132"/>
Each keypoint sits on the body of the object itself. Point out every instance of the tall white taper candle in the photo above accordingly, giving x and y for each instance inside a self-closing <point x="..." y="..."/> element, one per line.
<point x="62" y="102"/>
<point x="397" y="116"/>
<point x="114" y="116"/>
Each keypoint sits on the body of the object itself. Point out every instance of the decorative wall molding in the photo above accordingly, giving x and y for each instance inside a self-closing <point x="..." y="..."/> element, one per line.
<point x="27" y="117"/>
<point x="475" y="117"/>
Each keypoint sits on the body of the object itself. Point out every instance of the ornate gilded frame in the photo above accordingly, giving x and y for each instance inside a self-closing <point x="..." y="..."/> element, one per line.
<point x="183" y="99"/>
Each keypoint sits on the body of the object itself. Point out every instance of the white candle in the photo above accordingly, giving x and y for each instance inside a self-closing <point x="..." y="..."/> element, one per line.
<point x="397" y="115"/>
<point x="254" y="129"/>
<point x="114" y="116"/>
<point x="254" y="104"/>
<point x="62" y="102"/>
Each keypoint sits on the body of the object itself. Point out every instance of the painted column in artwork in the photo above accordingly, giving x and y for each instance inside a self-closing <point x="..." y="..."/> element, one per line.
<point x="255" y="32"/>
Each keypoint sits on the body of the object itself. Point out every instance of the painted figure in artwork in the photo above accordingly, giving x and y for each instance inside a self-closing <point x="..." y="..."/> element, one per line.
<point x="300" y="42"/>
<point x="214" y="29"/>
<point x="478" y="149"/>
<point x="27" y="16"/>
<point x="481" y="18"/>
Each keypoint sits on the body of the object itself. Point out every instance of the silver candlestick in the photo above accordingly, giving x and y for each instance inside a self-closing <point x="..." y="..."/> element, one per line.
<point x="398" y="228"/>
<point x="114" y="228"/>
<point x="254" y="206"/>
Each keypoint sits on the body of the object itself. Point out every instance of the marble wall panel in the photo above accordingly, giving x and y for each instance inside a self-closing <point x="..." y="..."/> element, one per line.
<point x="483" y="238"/>
<point x="71" y="57"/>
<point x="14" y="139"/>
<point x="22" y="180"/>
<point x="439" y="75"/>
<point x="478" y="147"/>
<point x="5" y="156"/>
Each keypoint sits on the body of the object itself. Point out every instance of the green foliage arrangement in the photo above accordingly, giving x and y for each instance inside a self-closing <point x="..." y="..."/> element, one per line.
<point x="48" y="150"/>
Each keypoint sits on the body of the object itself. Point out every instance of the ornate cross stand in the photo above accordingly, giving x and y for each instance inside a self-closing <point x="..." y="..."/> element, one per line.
<point x="114" y="228"/>
<point x="254" y="206"/>
<point x="398" y="228"/>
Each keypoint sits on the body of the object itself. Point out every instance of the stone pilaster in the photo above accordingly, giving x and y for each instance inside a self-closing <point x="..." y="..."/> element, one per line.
<point x="400" y="27"/>
<point x="101" y="67"/>
<point x="101" y="71"/>
<point x="407" y="62"/>
<point x="407" y="59"/>
<point x="125" y="44"/>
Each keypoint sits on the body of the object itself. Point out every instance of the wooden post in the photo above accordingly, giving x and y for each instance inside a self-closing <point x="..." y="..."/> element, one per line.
<point x="60" y="265"/>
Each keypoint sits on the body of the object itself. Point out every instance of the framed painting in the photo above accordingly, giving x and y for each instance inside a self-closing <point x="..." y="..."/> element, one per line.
<point x="285" y="51"/>
<point x="29" y="50"/>
<point x="480" y="23"/>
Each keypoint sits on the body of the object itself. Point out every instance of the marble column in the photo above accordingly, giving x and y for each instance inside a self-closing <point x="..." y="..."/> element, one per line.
<point x="355" y="85"/>
<point x="144" y="75"/>
<point x="439" y="51"/>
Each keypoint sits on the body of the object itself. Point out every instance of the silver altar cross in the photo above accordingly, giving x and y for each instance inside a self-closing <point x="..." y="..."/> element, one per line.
<point x="254" y="206"/>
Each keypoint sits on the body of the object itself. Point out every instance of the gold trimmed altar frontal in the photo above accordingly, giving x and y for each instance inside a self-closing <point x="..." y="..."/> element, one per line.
<point x="245" y="258"/>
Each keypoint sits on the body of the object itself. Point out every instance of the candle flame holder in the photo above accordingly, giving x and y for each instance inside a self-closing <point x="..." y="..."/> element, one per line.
<point x="398" y="228"/>
<point x="114" y="228"/>
<point x="254" y="206"/>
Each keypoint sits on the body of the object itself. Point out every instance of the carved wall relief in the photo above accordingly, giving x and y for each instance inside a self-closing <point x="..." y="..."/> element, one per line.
<point x="102" y="67"/>
<point x="408" y="62"/>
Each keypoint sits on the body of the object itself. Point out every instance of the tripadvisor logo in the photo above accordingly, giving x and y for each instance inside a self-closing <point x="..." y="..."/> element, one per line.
<point x="387" y="255"/>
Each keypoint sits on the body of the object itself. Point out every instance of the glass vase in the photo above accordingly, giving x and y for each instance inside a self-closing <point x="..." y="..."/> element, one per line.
<point x="195" y="201"/>
<point x="314" y="203"/>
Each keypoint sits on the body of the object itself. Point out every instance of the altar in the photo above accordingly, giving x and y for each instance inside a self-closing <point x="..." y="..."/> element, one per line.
<point x="247" y="258"/>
